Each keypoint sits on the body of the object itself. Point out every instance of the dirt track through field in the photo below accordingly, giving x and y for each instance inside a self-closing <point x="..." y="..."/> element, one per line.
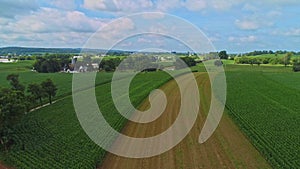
<point x="227" y="148"/>
<point x="3" y="167"/>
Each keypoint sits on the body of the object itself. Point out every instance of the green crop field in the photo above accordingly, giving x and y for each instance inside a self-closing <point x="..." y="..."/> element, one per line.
<point x="26" y="76"/>
<point x="52" y="137"/>
<point x="262" y="100"/>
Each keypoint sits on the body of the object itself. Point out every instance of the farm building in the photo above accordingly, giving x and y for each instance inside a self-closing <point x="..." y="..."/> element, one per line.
<point x="6" y="61"/>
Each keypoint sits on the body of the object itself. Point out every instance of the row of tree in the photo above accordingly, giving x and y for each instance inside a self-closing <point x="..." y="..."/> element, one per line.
<point x="285" y="60"/>
<point x="15" y="101"/>
<point x="189" y="61"/>
<point x="255" y="53"/>
<point x="109" y="64"/>
<point x="145" y="63"/>
<point x="48" y="65"/>
<point x="134" y="62"/>
<point x="51" y="63"/>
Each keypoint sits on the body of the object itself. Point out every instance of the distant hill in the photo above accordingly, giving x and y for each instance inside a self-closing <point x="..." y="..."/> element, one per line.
<point x="40" y="51"/>
<point x="29" y="51"/>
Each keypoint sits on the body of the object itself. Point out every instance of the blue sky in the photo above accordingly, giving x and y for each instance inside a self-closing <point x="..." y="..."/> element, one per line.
<point x="232" y="25"/>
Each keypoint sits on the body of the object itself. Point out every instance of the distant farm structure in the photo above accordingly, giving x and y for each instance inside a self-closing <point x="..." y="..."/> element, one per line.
<point x="6" y="60"/>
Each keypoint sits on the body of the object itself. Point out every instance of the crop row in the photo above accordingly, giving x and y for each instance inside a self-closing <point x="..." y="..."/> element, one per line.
<point x="261" y="109"/>
<point x="52" y="137"/>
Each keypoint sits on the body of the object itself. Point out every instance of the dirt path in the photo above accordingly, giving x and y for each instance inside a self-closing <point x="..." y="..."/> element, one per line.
<point x="3" y="167"/>
<point x="227" y="148"/>
<point x="44" y="105"/>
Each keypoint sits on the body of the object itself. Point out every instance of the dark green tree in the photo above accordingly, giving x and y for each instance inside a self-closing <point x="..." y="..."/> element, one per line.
<point x="36" y="91"/>
<point x="287" y="59"/>
<point x="179" y="64"/>
<point x="43" y="65"/>
<point x="15" y="83"/>
<point x="12" y="108"/>
<point x="223" y="55"/>
<point x="296" y="64"/>
<point x="49" y="88"/>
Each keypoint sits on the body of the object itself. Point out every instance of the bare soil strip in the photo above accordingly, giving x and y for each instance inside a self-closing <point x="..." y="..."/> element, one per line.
<point x="227" y="148"/>
<point x="3" y="167"/>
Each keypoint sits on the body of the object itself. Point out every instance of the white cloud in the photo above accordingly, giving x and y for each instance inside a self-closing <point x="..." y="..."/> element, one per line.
<point x="258" y="19"/>
<point x="126" y="6"/>
<point x="161" y="29"/>
<point x="164" y="5"/>
<point x="293" y="32"/>
<point x="65" y="4"/>
<point x="144" y="40"/>
<point x="214" y="39"/>
<point x="12" y="8"/>
<point x="244" y="39"/>
<point x="129" y="6"/>
<point x="4" y="21"/>
<point x="250" y="38"/>
<point x="94" y="4"/>
<point x="53" y="20"/>
<point x="50" y="25"/>
<point x="247" y="24"/>
<point x="195" y="5"/>
<point x="123" y="5"/>
<point x="59" y="39"/>
<point x="250" y="7"/>
<point x="281" y="2"/>
<point x="273" y="14"/>
<point x="116" y="29"/>
<point x="156" y="15"/>
<point x="224" y="4"/>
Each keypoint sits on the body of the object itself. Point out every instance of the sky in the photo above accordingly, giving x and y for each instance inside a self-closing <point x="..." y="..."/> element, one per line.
<point x="232" y="25"/>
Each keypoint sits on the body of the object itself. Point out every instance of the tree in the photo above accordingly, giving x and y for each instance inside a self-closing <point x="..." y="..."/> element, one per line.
<point x="223" y="55"/>
<point x="14" y="82"/>
<point x="87" y="60"/>
<point x="12" y="108"/>
<point x="50" y="65"/>
<point x="50" y="89"/>
<point x="179" y="64"/>
<point x="36" y="91"/>
<point x="218" y="63"/>
<point x="296" y="64"/>
<point x="287" y="59"/>
<point x="296" y="67"/>
<point x="109" y="64"/>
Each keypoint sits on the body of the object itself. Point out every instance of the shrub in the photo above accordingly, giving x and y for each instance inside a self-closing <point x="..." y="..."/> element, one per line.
<point x="296" y="67"/>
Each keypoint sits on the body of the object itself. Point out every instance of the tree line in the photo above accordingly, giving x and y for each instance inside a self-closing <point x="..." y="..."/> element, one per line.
<point x="263" y="52"/>
<point x="140" y="62"/>
<point x="285" y="60"/>
<point x="135" y="62"/>
<point x="51" y="63"/>
<point x="16" y="101"/>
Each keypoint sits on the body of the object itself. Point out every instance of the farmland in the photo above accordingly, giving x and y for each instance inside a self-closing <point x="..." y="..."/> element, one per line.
<point x="149" y="84"/>
<point x="263" y="101"/>
<point x="52" y="137"/>
<point x="228" y="147"/>
<point x="62" y="80"/>
<point x="265" y="104"/>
